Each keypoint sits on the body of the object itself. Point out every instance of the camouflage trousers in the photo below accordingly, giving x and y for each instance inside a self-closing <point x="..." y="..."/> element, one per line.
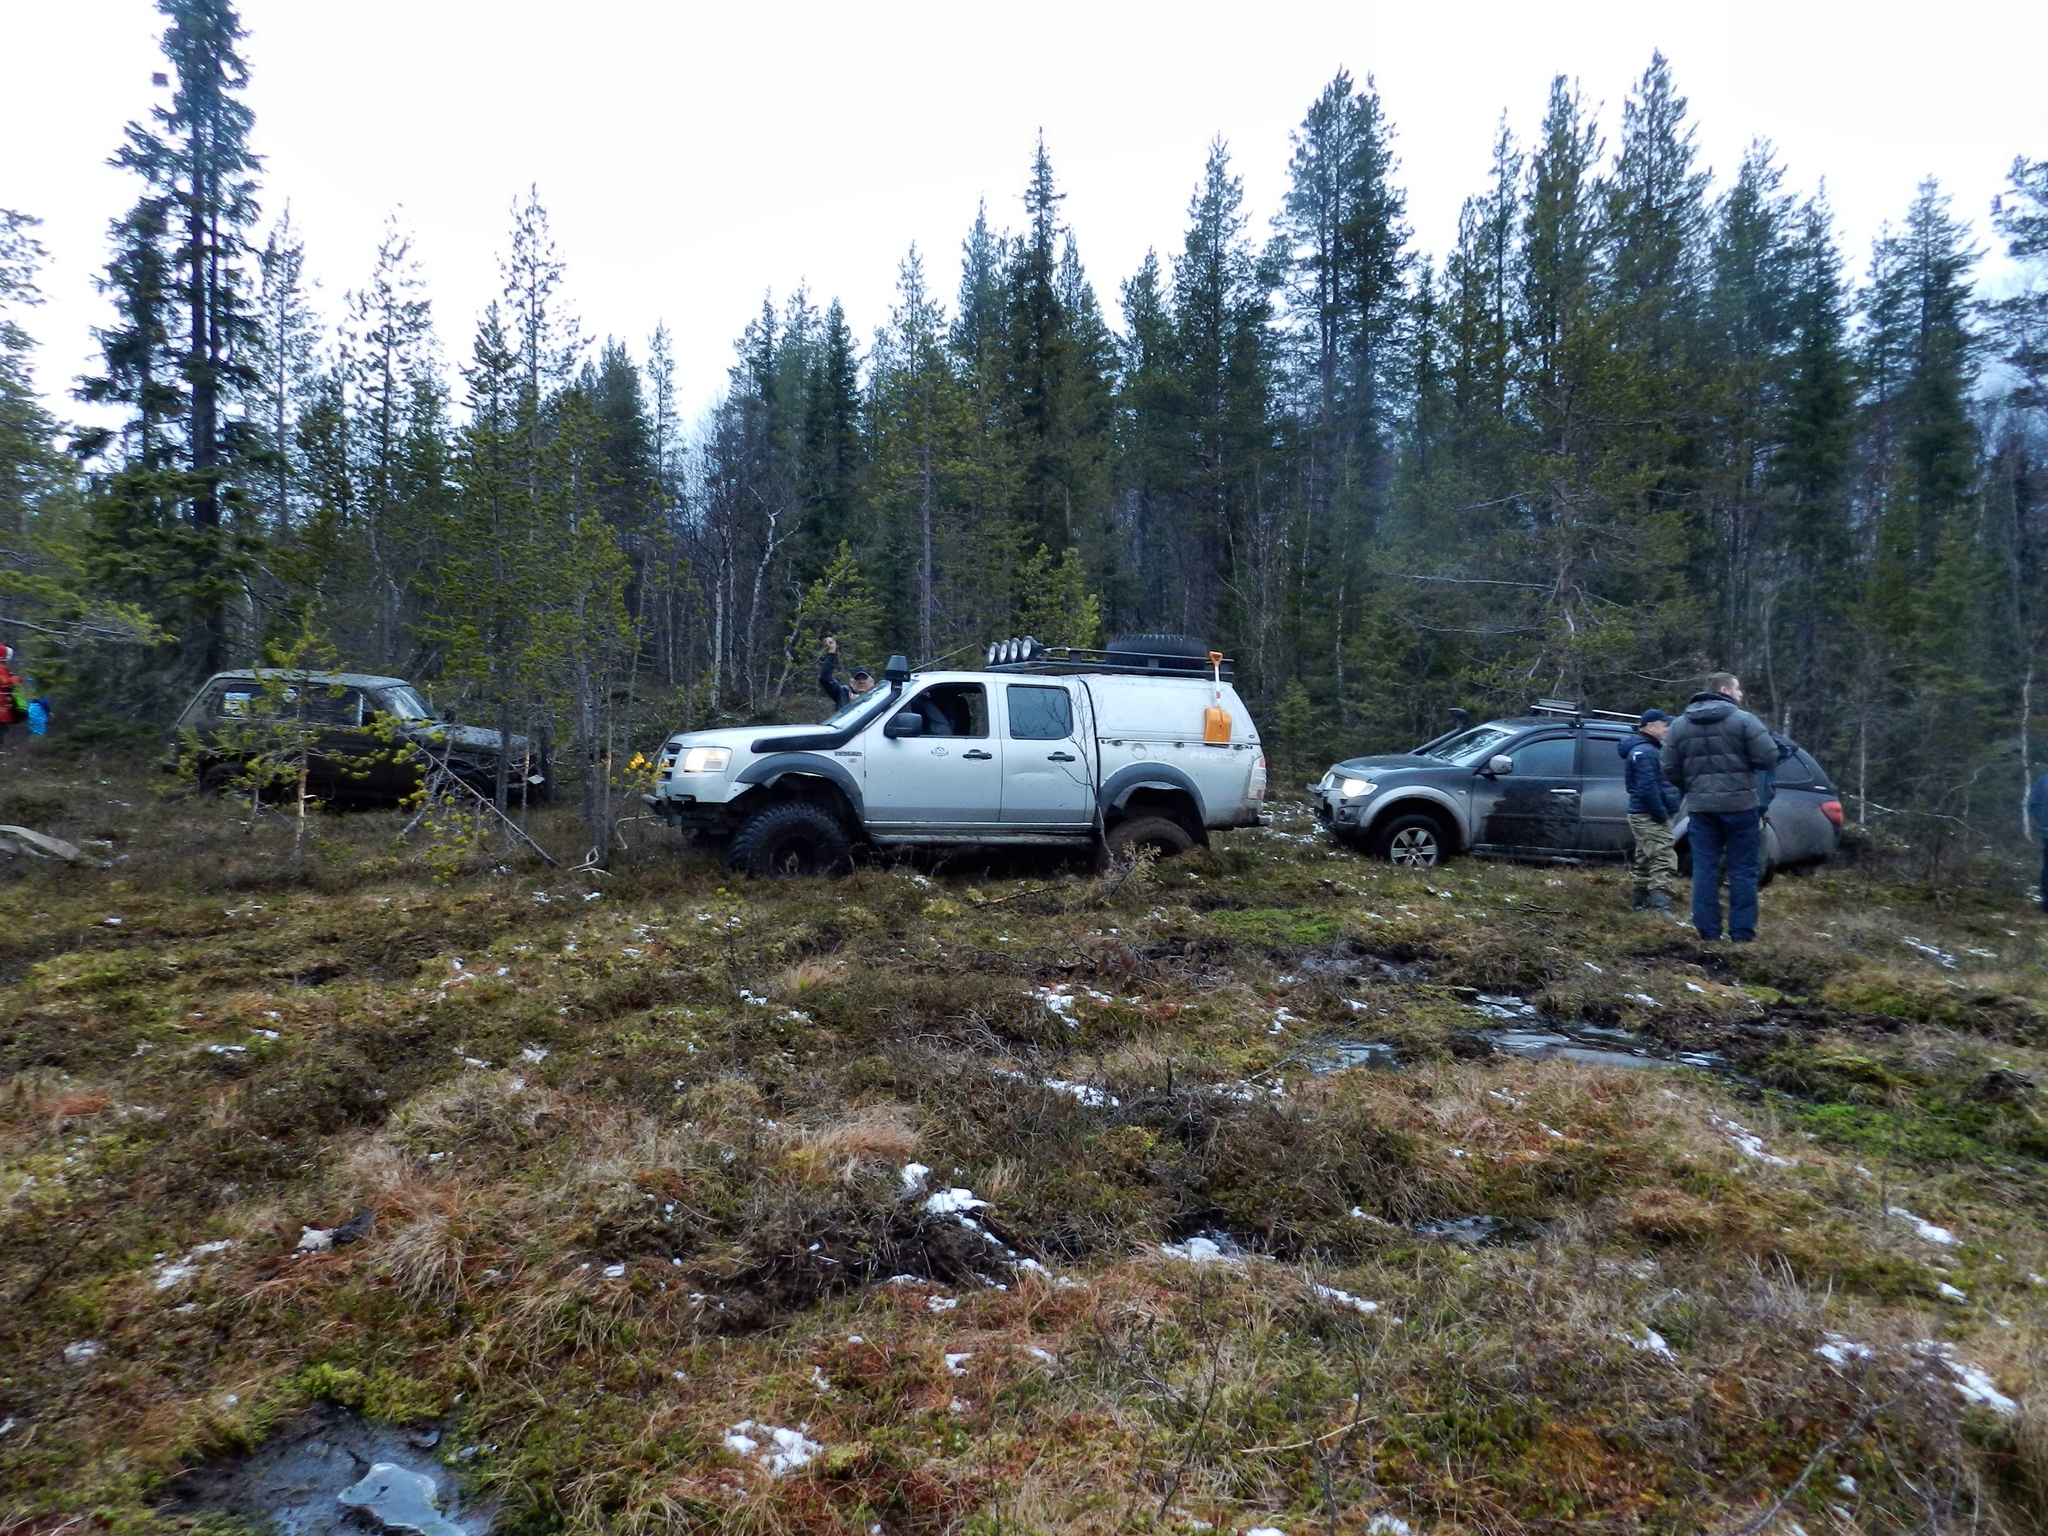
<point x="1653" y="859"/>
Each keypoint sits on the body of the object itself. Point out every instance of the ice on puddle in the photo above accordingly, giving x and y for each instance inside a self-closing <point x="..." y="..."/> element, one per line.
<point x="956" y="1365"/>
<point x="1926" y="1229"/>
<point x="1330" y="1293"/>
<point x="785" y="1450"/>
<point x="914" y="1175"/>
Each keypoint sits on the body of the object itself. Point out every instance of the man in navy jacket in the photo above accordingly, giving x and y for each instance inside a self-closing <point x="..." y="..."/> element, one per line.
<point x="1652" y="802"/>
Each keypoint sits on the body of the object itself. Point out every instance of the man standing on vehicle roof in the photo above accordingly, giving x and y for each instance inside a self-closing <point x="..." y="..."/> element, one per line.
<point x="2037" y="812"/>
<point x="1652" y="803"/>
<point x="1713" y="755"/>
<point x="841" y="694"/>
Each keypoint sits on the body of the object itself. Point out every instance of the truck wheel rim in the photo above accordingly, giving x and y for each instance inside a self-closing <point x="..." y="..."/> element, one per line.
<point x="1413" y="846"/>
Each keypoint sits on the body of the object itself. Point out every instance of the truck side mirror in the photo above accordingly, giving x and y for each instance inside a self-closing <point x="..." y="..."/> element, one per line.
<point x="904" y="722"/>
<point x="1500" y="764"/>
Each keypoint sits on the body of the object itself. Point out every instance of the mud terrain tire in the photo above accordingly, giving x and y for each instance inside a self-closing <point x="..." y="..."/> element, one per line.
<point x="1166" y="838"/>
<point x="1413" y="841"/>
<point x="792" y="838"/>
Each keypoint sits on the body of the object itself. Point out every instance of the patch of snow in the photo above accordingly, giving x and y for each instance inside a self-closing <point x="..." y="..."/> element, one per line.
<point x="950" y="1202"/>
<point x="1094" y="1098"/>
<point x="1596" y="970"/>
<point x="1926" y="1229"/>
<point x="942" y="1303"/>
<point x="1033" y="1351"/>
<point x="81" y="1352"/>
<point x="1197" y="1250"/>
<point x="315" y="1239"/>
<point x="1644" y="998"/>
<point x="1948" y="1292"/>
<point x="914" y="1175"/>
<point x="1972" y="1381"/>
<point x="168" y="1275"/>
<point x="1265" y="1530"/>
<point x="1651" y="1342"/>
<point x="1330" y="1293"/>
<point x="956" y="1365"/>
<point x="1388" y="1525"/>
<point x="614" y="1271"/>
<point x="1059" y="1000"/>
<point x="533" y="1054"/>
<point x="1748" y="1143"/>
<point x="1693" y="986"/>
<point x="1846" y="1483"/>
<point x="785" y="1450"/>
<point x="1938" y="955"/>
<point x="1840" y="1351"/>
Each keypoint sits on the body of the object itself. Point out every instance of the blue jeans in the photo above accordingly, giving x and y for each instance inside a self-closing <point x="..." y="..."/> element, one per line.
<point x="1737" y="837"/>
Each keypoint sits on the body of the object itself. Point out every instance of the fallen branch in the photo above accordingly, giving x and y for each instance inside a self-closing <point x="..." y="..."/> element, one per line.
<point x="1856" y="1427"/>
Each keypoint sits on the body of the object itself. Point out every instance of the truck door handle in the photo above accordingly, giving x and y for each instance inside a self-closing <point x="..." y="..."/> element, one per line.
<point x="1564" y="791"/>
<point x="1059" y="757"/>
<point x="982" y="756"/>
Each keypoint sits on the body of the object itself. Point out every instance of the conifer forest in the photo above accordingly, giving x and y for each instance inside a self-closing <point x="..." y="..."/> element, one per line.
<point x="1639" y="422"/>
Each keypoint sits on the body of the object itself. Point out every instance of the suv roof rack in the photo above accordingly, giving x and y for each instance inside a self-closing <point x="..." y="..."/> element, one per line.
<point x="1059" y="659"/>
<point x="1573" y="709"/>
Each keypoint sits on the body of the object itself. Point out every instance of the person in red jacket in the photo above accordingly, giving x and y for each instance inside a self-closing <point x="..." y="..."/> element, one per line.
<point x="13" y="706"/>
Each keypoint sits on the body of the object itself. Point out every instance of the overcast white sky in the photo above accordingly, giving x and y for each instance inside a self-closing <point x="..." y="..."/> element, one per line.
<point x="694" y="155"/>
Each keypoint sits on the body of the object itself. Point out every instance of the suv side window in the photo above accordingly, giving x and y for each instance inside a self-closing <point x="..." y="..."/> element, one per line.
<point x="1038" y="713"/>
<point x="1600" y="757"/>
<point x="1550" y="757"/>
<point x="953" y="709"/>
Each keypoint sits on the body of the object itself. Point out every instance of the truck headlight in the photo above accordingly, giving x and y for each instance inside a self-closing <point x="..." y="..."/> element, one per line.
<point x="1355" y="787"/>
<point x="706" y="759"/>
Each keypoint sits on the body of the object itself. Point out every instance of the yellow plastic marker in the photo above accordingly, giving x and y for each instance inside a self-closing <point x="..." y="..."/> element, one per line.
<point x="1216" y="719"/>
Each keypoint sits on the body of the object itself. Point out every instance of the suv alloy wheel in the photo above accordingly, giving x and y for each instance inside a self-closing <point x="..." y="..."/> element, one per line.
<point x="1414" y="841"/>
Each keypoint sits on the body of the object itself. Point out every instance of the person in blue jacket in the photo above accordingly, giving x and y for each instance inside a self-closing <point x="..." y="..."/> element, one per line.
<point x="860" y="683"/>
<point x="1652" y="803"/>
<point x="2037" y="811"/>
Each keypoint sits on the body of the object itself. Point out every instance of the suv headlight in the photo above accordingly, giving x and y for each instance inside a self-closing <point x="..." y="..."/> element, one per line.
<point x="706" y="759"/>
<point x="1354" y="787"/>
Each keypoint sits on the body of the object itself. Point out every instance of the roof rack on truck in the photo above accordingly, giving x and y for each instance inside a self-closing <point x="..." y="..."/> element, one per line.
<point x="1140" y="656"/>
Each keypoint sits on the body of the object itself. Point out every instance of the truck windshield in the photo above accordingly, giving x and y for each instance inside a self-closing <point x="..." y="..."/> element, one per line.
<point x="1467" y="747"/>
<point x="853" y="709"/>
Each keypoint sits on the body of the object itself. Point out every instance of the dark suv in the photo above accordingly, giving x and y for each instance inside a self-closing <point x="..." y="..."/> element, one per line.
<point x="374" y="736"/>
<point x="1547" y="787"/>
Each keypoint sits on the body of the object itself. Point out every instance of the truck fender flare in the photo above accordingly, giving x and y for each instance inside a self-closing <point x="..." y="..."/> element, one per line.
<point x="1116" y="790"/>
<point x="1426" y="799"/>
<point x="769" y="771"/>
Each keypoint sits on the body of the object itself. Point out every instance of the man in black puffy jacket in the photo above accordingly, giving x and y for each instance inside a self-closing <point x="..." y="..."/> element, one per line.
<point x="1652" y="803"/>
<point x="1713" y="755"/>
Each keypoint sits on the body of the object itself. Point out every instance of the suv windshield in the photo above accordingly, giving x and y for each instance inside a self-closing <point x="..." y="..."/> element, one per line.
<point x="1467" y="747"/>
<point x="405" y="704"/>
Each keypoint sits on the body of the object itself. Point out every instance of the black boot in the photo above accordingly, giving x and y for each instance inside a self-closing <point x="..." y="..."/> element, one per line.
<point x="1657" y="901"/>
<point x="1640" y="900"/>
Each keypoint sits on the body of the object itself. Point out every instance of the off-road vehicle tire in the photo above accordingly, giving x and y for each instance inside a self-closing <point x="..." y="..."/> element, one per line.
<point x="794" y="837"/>
<point x="1414" y="841"/>
<point x="221" y="779"/>
<point x="1192" y="655"/>
<point x="1165" y="837"/>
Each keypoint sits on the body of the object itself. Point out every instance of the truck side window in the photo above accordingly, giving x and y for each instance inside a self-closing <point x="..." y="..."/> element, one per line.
<point x="953" y="709"/>
<point x="1038" y="713"/>
<point x="1600" y="757"/>
<point x="1553" y="757"/>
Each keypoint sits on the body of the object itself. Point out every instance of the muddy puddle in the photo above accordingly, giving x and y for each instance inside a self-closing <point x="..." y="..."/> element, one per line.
<point x="332" y="1473"/>
<point x="1514" y="1027"/>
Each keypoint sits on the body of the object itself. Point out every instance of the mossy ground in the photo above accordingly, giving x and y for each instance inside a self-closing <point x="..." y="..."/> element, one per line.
<point x="634" y="1147"/>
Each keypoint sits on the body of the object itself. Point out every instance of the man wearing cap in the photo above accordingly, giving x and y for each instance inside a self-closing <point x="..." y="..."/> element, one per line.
<point x="1652" y="802"/>
<point x="860" y="683"/>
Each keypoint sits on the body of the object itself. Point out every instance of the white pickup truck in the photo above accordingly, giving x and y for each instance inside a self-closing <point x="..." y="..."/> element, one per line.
<point x="1117" y="750"/>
